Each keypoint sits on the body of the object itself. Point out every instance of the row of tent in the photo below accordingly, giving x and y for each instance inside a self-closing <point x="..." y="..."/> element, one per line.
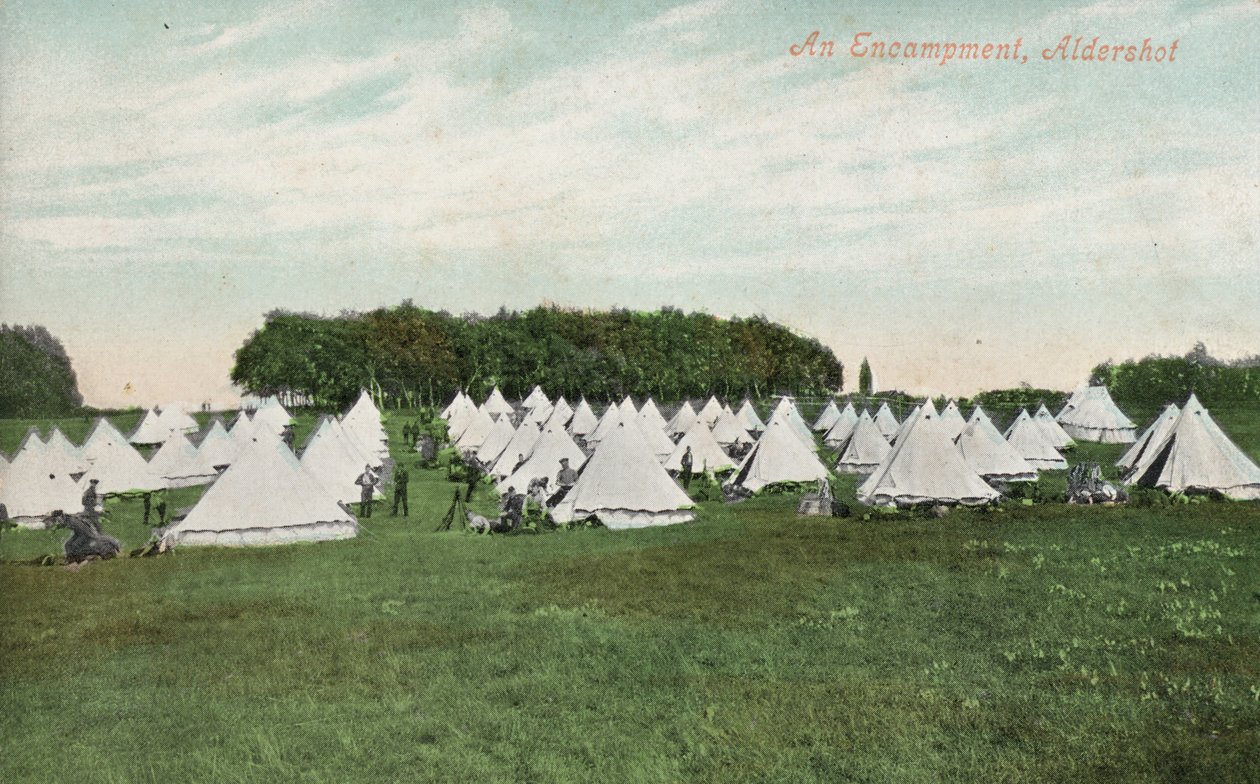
<point x="1088" y="415"/>
<point x="931" y="457"/>
<point x="260" y="491"/>
<point x="625" y="455"/>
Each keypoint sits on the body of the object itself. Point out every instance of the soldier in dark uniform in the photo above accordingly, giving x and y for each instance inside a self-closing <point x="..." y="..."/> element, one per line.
<point x="90" y="500"/>
<point x="148" y="501"/>
<point x="401" y="478"/>
<point x="408" y="439"/>
<point x="686" y="469"/>
<point x="513" y="507"/>
<point x="287" y="436"/>
<point x="367" y="484"/>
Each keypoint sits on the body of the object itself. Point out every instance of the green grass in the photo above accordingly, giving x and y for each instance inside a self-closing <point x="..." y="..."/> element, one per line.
<point x="1043" y="643"/>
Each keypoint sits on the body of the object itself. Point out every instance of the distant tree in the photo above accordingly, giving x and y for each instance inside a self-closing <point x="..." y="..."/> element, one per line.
<point x="865" y="380"/>
<point x="36" y="377"/>
<point x="1154" y="380"/>
<point x="407" y="354"/>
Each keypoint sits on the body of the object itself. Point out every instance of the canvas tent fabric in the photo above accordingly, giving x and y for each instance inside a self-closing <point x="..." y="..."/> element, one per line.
<point x="1197" y="456"/>
<point x="1091" y="415"/>
<point x="711" y="411"/>
<point x="778" y="456"/>
<point x="544" y="461"/>
<point x="150" y="430"/>
<point x="656" y="440"/>
<point x="627" y="408"/>
<point x="106" y="444"/>
<point x="827" y="417"/>
<point x="840" y="430"/>
<point x="865" y="448"/>
<point x="264" y="498"/>
<point x="272" y="415"/>
<point x="103" y="439"/>
<point x="519" y="448"/>
<point x="952" y="418"/>
<point x="1150" y="438"/>
<point x="459" y="418"/>
<point x="610" y="419"/>
<point x="706" y="453"/>
<point x="455" y="403"/>
<point x="498" y="438"/>
<point x="729" y="430"/>
<point x="650" y="416"/>
<point x="497" y="404"/>
<point x="1030" y="442"/>
<point x="559" y="415"/>
<point x="785" y="411"/>
<point x="989" y="454"/>
<point x="180" y="464"/>
<point x="333" y="461"/>
<point x="624" y="487"/>
<point x="1055" y="434"/>
<point x="905" y="423"/>
<point x="65" y="453"/>
<point x="363" y="423"/>
<point x="470" y="440"/>
<point x="122" y="470"/>
<point x="538" y="414"/>
<point x="583" y="420"/>
<point x="34" y="487"/>
<point x="681" y="420"/>
<point x="924" y="467"/>
<point x="217" y="448"/>
<point x="536" y="398"/>
<point x="752" y="422"/>
<point x="886" y="422"/>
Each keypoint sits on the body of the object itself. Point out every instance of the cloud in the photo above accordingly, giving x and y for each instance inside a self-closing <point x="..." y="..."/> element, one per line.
<point x="683" y="15"/>
<point x="285" y="16"/>
<point x="638" y="158"/>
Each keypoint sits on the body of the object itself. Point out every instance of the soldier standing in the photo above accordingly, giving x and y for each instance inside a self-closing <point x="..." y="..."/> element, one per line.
<point x="90" y="500"/>
<point x="401" y="478"/>
<point x="367" y="484"/>
<point x="686" y="469"/>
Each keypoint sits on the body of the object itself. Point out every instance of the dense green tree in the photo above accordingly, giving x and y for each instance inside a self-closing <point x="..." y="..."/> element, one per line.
<point x="1155" y="380"/>
<point x="409" y="355"/>
<point x="36" y="377"/>
<point x="865" y="380"/>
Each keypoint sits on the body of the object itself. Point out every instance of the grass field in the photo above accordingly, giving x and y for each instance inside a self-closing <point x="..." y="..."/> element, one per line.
<point x="1034" y="643"/>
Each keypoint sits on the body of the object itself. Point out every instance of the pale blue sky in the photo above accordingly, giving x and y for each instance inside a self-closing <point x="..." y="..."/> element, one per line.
<point x="967" y="226"/>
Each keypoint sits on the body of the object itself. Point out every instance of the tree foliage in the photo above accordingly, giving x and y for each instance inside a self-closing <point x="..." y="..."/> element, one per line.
<point x="411" y="355"/>
<point x="1156" y="380"/>
<point x="865" y="379"/>
<point x="36" y="377"/>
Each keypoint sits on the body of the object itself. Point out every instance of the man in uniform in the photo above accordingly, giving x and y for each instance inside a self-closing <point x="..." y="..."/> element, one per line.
<point x="686" y="469"/>
<point x="401" y="478"/>
<point x="367" y="484"/>
<point x="565" y="480"/>
<point x="90" y="500"/>
<point x="513" y="507"/>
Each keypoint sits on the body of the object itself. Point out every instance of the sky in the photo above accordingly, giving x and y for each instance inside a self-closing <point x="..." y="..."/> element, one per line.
<point x="172" y="171"/>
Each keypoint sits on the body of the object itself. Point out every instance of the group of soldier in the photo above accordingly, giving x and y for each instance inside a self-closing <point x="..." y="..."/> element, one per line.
<point x="512" y="507"/>
<point x="368" y="482"/>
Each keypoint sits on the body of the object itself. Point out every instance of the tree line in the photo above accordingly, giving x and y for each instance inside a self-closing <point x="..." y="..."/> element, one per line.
<point x="413" y="356"/>
<point x="36" y="377"/>
<point x="1149" y="383"/>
